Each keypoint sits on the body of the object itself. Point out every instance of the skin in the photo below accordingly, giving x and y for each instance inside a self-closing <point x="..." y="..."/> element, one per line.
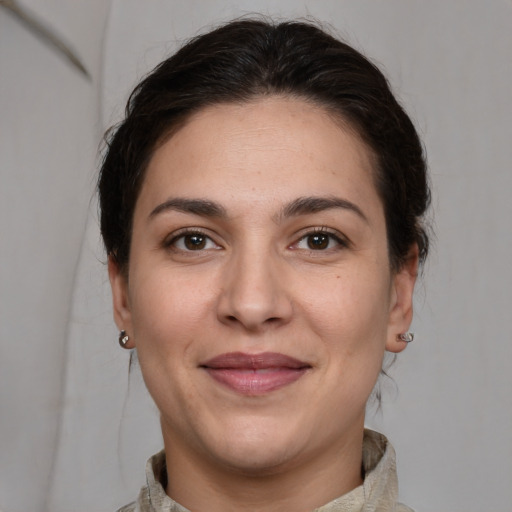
<point x="255" y="285"/>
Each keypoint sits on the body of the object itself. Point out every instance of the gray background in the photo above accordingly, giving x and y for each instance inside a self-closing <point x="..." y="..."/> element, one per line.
<point x="75" y="431"/>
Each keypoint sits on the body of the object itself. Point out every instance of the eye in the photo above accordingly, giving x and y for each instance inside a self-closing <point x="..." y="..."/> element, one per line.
<point x="192" y="241"/>
<point x="320" y="240"/>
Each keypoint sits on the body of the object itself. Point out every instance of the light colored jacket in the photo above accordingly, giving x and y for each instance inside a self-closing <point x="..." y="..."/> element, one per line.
<point x="379" y="492"/>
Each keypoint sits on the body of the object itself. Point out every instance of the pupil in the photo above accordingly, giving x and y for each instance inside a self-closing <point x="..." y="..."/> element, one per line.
<point x="195" y="242"/>
<point x="319" y="241"/>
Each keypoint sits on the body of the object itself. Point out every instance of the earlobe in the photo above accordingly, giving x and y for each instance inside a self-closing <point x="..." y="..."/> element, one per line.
<point x="400" y="315"/>
<point x="120" y="297"/>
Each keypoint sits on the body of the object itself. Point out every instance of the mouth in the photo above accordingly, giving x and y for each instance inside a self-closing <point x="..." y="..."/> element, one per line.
<point x="255" y="374"/>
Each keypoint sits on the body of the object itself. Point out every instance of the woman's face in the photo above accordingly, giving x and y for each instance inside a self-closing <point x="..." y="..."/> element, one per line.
<point x="259" y="292"/>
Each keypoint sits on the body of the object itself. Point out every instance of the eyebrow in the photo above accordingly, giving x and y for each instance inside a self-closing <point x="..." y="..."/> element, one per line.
<point x="201" y="207"/>
<point x="307" y="205"/>
<point x="299" y="206"/>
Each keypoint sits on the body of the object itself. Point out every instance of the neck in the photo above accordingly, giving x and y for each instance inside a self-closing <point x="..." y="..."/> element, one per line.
<point x="201" y="485"/>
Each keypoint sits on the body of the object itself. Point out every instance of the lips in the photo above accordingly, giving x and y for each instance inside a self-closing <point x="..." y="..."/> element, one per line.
<point x="255" y="374"/>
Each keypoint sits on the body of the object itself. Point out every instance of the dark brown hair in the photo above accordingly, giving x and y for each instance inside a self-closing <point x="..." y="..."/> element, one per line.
<point x="246" y="59"/>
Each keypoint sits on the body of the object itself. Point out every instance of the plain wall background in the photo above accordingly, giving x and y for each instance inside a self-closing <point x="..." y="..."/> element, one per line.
<point x="74" y="430"/>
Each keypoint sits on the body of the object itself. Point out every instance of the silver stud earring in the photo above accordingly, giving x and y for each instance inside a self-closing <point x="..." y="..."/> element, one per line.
<point x="406" y="336"/>
<point x="123" y="339"/>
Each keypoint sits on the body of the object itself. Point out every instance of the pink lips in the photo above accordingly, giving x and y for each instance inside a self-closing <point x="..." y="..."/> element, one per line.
<point x="255" y="374"/>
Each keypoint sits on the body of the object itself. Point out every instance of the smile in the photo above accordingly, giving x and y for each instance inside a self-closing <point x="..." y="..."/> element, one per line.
<point x="255" y="374"/>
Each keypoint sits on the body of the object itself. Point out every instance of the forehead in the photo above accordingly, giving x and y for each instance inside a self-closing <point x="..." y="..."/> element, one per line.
<point x="268" y="148"/>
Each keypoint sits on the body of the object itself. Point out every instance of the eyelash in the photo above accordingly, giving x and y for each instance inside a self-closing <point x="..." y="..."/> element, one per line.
<point x="183" y="234"/>
<point x="341" y="241"/>
<point x="331" y="235"/>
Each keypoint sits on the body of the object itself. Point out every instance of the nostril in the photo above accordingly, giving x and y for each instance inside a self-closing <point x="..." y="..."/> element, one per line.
<point x="235" y="319"/>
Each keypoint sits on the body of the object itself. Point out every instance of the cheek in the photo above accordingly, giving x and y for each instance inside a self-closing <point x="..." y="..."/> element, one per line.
<point x="349" y="312"/>
<point x="169" y="309"/>
<point x="353" y="299"/>
<point x="168" y="316"/>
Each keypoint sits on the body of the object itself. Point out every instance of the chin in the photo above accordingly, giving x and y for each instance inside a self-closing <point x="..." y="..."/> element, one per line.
<point x="257" y="460"/>
<point x="257" y="449"/>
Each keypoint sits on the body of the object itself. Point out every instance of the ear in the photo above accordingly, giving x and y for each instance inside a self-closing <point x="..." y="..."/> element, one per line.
<point x="120" y="299"/>
<point x="401" y="305"/>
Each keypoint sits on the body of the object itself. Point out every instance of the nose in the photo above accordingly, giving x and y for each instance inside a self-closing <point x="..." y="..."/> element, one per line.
<point x="254" y="295"/>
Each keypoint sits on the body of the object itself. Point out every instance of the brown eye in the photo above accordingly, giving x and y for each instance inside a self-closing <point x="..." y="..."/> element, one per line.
<point x="192" y="241"/>
<point x="195" y="242"/>
<point x="321" y="241"/>
<point x="318" y="241"/>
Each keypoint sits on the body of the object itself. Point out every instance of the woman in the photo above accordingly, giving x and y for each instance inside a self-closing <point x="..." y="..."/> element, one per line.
<point x="261" y="208"/>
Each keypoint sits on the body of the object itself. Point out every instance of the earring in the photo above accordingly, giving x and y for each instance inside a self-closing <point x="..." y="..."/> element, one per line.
<point x="123" y="339"/>
<point x="406" y="336"/>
